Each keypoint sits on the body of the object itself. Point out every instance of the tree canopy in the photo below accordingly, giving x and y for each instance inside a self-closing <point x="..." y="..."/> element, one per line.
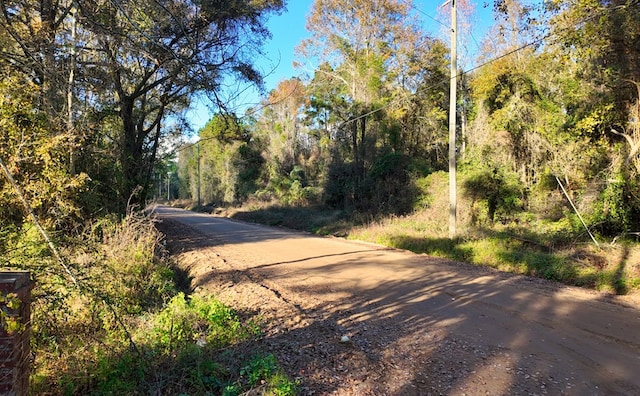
<point x="120" y="73"/>
<point x="555" y="98"/>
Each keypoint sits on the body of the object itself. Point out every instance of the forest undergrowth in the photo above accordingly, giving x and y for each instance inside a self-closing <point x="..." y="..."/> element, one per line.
<point x="124" y="325"/>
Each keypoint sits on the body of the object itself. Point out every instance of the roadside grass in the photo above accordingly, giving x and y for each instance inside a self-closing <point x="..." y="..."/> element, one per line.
<point x="525" y="245"/>
<point x="191" y="346"/>
<point x="606" y="269"/>
<point x="127" y="328"/>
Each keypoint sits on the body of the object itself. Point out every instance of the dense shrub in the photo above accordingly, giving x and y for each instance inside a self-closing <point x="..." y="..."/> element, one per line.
<point x="250" y="164"/>
<point x="34" y="152"/>
<point x="497" y="191"/>
<point x="339" y="189"/>
<point x="115" y="324"/>
<point x="617" y="210"/>
<point x="118" y="271"/>
<point x="387" y="188"/>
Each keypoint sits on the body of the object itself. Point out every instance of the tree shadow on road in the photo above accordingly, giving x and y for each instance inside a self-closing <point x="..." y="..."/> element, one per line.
<point x="209" y="231"/>
<point x="424" y="326"/>
<point x="437" y="333"/>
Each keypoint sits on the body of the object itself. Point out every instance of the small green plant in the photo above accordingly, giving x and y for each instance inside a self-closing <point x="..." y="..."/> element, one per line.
<point x="264" y="371"/>
<point x="281" y="385"/>
<point x="119" y="375"/>
<point x="199" y="319"/>
<point x="178" y="352"/>
<point x="259" y="368"/>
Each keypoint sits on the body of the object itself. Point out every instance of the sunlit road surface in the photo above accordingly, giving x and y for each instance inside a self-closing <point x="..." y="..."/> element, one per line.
<point x="518" y="335"/>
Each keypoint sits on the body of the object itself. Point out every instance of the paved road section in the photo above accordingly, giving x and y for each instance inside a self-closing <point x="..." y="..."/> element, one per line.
<point x="474" y="330"/>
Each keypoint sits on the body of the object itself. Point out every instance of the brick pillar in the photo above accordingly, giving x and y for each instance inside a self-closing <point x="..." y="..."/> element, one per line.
<point x="14" y="345"/>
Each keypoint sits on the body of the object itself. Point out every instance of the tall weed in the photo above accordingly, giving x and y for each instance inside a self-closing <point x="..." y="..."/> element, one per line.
<point x="124" y="328"/>
<point x="119" y="272"/>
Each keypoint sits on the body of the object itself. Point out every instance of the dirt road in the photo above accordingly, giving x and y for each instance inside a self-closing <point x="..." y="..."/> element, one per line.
<point x="416" y="325"/>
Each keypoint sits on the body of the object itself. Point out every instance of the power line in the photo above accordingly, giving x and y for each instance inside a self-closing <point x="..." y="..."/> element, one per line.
<point x="481" y="65"/>
<point x="490" y="61"/>
<point x="410" y="4"/>
<point x="453" y="78"/>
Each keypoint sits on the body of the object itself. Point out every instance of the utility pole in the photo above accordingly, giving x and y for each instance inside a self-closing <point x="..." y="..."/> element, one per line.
<point x="168" y="186"/>
<point x="452" y="123"/>
<point x="198" y="158"/>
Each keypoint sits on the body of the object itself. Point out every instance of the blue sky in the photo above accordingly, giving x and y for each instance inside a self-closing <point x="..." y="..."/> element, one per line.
<point x="288" y="30"/>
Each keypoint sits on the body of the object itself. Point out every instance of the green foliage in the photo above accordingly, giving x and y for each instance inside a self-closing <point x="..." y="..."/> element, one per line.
<point x="262" y="369"/>
<point x="126" y="252"/>
<point x="250" y="164"/>
<point x="339" y="190"/>
<point x="282" y="385"/>
<point x="117" y="376"/>
<point x="348" y="119"/>
<point x="125" y="329"/>
<point x="9" y="322"/>
<point x="181" y="347"/>
<point x="198" y="319"/>
<point x="258" y="368"/>
<point x="231" y="163"/>
<point x="618" y="208"/>
<point x="290" y="190"/>
<point x="500" y="193"/>
<point x="119" y="273"/>
<point x="225" y="128"/>
<point x="518" y="250"/>
<point x="594" y="124"/>
<point x="114" y="113"/>
<point x="389" y="186"/>
<point x="510" y="84"/>
<point x="37" y="160"/>
<point x="312" y="219"/>
<point x="604" y="48"/>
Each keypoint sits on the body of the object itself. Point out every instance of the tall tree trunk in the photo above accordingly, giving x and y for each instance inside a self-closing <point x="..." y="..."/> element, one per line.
<point x="151" y="161"/>
<point x="129" y="154"/>
<point x="53" y="82"/>
<point x="71" y="81"/>
<point x="354" y="138"/>
<point x="363" y="147"/>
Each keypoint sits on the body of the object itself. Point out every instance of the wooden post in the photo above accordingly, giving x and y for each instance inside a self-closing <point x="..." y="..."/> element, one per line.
<point x="15" y="303"/>
<point x="453" y="203"/>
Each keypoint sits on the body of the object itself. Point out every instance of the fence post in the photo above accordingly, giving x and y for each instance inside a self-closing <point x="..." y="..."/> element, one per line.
<point x="15" y="330"/>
